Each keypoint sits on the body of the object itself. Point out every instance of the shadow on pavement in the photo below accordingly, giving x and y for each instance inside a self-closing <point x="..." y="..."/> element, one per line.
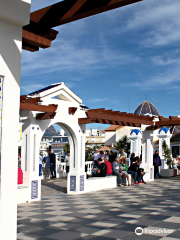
<point x="51" y="186"/>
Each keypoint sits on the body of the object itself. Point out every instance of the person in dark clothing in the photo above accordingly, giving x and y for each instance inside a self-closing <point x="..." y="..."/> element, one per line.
<point x="102" y="169"/>
<point x="132" y="158"/>
<point x="134" y="170"/>
<point x="52" y="157"/>
<point x="156" y="163"/>
<point x="140" y="170"/>
<point x="112" y="157"/>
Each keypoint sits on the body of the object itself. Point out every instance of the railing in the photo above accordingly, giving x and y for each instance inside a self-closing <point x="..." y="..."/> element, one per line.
<point x="89" y="167"/>
<point x="61" y="168"/>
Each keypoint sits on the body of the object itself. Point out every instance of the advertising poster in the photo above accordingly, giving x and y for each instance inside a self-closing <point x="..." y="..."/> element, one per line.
<point x="1" y="99"/>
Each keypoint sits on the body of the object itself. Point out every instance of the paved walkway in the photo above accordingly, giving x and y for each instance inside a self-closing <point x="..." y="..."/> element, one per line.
<point x="108" y="214"/>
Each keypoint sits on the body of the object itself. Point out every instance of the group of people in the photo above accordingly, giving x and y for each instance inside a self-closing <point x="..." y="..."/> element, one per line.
<point x="110" y="164"/>
<point x="49" y="165"/>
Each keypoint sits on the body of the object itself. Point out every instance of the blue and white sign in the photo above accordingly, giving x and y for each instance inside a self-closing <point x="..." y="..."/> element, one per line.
<point x="1" y="106"/>
<point x="34" y="189"/>
<point x="72" y="183"/>
<point x="82" y="183"/>
<point x="151" y="173"/>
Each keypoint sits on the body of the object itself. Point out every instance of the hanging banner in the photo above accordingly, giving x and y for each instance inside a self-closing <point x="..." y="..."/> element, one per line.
<point x="1" y="102"/>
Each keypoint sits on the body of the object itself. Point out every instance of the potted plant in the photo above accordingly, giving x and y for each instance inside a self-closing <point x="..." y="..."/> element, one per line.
<point x="167" y="154"/>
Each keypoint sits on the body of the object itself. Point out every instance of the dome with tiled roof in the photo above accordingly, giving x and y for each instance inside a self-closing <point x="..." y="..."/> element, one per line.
<point x="145" y="108"/>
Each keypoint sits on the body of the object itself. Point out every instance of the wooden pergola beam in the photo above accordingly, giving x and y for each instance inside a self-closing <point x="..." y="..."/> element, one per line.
<point x="72" y="110"/>
<point x="118" y="118"/>
<point x="106" y="121"/>
<point x="168" y="123"/>
<point x="107" y="111"/>
<point x="38" y="108"/>
<point x="45" y="116"/>
<point x="35" y="36"/>
<point x="71" y="10"/>
<point x="29" y="47"/>
<point x="39" y="33"/>
<point x="96" y="110"/>
<point x="36" y="40"/>
<point x="115" y="113"/>
<point x="24" y="99"/>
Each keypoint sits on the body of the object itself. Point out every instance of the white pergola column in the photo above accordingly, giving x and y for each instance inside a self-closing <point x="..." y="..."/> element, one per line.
<point x="163" y="135"/>
<point x="13" y="15"/>
<point x="77" y="177"/>
<point x="30" y="160"/>
<point x="135" y="137"/>
<point x="147" y="153"/>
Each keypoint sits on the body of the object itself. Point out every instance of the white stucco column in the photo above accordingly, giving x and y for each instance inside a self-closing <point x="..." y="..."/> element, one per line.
<point x="30" y="159"/>
<point x="163" y="135"/>
<point x="147" y="153"/>
<point x="135" y="137"/>
<point x="13" y="15"/>
<point x="77" y="177"/>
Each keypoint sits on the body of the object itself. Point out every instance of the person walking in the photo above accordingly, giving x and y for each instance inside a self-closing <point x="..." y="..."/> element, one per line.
<point x="52" y="157"/>
<point x="156" y="163"/>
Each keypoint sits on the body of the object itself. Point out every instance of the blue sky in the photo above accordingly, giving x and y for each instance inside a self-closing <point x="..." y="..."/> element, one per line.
<point x="112" y="60"/>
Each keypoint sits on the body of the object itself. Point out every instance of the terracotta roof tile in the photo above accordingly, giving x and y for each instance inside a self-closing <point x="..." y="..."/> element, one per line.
<point x="112" y="128"/>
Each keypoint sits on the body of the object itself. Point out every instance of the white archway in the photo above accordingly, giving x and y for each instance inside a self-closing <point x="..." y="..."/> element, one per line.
<point x="33" y="130"/>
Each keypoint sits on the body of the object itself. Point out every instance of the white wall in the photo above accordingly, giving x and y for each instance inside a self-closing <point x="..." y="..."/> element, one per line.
<point x="121" y="132"/>
<point x="13" y="15"/>
<point x="110" y="137"/>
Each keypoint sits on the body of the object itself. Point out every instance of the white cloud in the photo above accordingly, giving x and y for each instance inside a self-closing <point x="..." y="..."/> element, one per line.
<point x="165" y="80"/>
<point x="96" y="100"/>
<point x="68" y="56"/>
<point x="160" y="60"/>
<point x="28" y="88"/>
<point x="159" y="21"/>
<point x="155" y="100"/>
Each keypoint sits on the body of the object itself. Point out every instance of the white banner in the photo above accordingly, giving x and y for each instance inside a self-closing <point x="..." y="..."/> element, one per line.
<point x="1" y="102"/>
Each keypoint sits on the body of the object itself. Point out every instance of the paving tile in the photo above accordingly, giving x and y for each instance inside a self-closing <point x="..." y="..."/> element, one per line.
<point x="175" y="234"/>
<point x="116" y="234"/>
<point x="168" y="238"/>
<point x="173" y="219"/>
<point x="108" y="214"/>
<point x="104" y="224"/>
<point x="88" y="230"/>
<point x="65" y="235"/>
<point x="168" y="225"/>
<point x="141" y="237"/>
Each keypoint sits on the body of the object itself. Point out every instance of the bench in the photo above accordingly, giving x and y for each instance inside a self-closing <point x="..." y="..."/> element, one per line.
<point x="100" y="183"/>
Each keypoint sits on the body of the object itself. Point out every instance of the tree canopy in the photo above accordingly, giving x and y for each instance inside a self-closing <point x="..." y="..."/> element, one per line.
<point x="66" y="147"/>
<point x="123" y="143"/>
